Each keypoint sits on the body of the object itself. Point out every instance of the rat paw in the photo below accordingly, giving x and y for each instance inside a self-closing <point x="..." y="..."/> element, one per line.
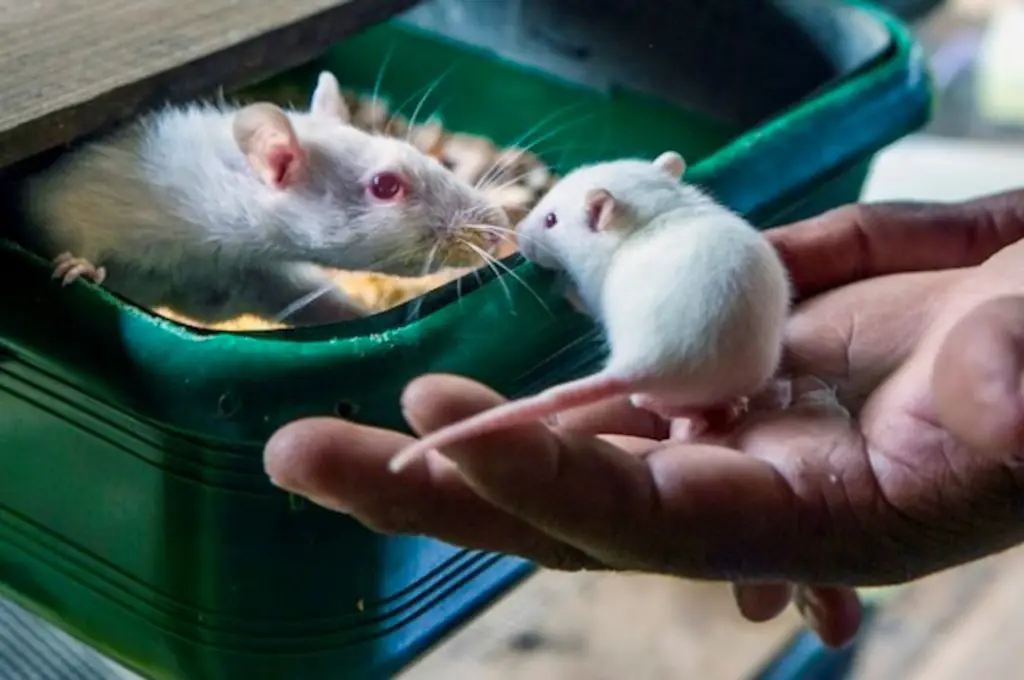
<point x="69" y="269"/>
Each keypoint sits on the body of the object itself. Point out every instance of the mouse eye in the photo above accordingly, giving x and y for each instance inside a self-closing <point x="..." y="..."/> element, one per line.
<point x="550" y="220"/>
<point x="386" y="186"/>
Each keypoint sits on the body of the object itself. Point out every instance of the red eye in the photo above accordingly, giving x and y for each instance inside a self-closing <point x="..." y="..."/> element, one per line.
<point x="550" y="220"/>
<point x="386" y="186"/>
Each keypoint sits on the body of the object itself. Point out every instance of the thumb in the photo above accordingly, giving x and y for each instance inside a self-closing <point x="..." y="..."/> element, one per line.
<point x="977" y="377"/>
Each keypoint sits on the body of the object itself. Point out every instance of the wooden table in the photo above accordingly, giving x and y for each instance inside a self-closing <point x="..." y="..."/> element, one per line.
<point x="71" y="67"/>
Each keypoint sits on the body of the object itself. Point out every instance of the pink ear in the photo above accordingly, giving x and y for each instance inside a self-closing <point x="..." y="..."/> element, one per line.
<point x="672" y="163"/>
<point x="327" y="101"/>
<point x="266" y="137"/>
<point x="601" y="207"/>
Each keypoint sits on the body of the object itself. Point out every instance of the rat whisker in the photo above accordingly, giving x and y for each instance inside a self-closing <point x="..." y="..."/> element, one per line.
<point x="542" y="122"/>
<point x="430" y="259"/>
<point x="501" y="234"/>
<point x="426" y="95"/>
<point x="380" y="77"/>
<point x="304" y="301"/>
<point x="591" y="337"/>
<point x="404" y="254"/>
<point x="489" y="227"/>
<point x="547" y="150"/>
<point x="489" y="261"/>
<point x="416" y="307"/>
<point x="537" y="126"/>
<point x="521" y="151"/>
<point x="498" y="263"/>
<point x="506" y="183"/>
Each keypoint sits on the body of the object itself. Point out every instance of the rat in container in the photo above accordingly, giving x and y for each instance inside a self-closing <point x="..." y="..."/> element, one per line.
<point x="692" y="299"/>
<point x="216" y="211"/>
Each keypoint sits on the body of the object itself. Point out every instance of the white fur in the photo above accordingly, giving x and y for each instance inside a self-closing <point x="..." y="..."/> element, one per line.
<point x="171" y="209"/>
<point x="692" y="298"/>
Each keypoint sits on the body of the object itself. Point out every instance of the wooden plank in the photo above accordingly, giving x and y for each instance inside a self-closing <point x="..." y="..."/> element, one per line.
<point x="71" y="67"/>
<point x="987" y="640"/>
<point x="954" y="624"/>
<point x="600" y="626"/>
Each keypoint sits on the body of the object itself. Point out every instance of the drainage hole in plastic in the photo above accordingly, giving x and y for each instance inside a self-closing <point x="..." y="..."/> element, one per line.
<point x="345" y="409"/>
<point x="228" y="405"/>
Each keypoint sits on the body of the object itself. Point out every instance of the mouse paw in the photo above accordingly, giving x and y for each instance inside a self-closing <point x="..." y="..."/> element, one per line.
<point x="69" y="269"/>
<point x="689" y="422"/>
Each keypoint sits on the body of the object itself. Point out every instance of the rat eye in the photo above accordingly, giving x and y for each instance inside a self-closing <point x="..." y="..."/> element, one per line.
<point x="550" y="220"/>
<point x="386" y="186"/>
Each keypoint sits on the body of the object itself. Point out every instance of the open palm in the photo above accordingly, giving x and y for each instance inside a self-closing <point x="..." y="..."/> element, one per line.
<point x="883" y="470"/>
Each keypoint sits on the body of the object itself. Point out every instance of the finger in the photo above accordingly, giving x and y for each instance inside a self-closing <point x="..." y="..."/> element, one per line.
<point x="857" y="335"/>
<point x="865" y="240"/>
<point x="343" y="466"/>
<point x="763" y="601"/>
<point x="705" y="511"/>
<point x="834" y="614"/>
<point x="977" y="378"/>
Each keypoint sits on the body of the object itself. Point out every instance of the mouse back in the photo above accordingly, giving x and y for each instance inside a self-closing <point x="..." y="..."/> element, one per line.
<point x="707" y="323"/>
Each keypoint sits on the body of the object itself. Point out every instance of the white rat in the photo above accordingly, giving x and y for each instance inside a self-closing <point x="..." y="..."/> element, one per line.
<point x="217" y="211"/>
<point x="692" y="298"/>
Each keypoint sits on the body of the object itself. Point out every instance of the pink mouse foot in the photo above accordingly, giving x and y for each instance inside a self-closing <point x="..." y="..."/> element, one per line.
<point x="69" y="269"/>
<point x="688" y="422"/>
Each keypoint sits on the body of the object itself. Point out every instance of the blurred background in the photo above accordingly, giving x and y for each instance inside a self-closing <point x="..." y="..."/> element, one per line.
<point x="975" y="143"/>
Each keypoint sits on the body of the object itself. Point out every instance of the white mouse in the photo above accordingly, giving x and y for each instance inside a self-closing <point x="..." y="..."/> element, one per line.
<point x="217" y="210"/>
<point x="692" y="298"/>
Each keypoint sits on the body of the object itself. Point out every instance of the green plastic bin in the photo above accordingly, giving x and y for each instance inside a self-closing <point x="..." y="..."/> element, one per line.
<point x="134" y="511"/>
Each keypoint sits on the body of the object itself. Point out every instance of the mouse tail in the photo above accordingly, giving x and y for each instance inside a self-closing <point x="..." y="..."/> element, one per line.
<point x="582" y="392"/>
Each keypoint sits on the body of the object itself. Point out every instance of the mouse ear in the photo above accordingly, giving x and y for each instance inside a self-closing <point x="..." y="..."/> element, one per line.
<point x="672" y="163"/>
<point x="327" y="101"/>
<point x="267" y="138"/>
<point x="601" y="209"/>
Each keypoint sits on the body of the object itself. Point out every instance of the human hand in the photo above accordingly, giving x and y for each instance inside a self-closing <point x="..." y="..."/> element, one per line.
<point x="922" y="476"/>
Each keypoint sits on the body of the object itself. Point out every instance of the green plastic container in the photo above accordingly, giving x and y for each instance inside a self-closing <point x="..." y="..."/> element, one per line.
<point x="134" y="511"/>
